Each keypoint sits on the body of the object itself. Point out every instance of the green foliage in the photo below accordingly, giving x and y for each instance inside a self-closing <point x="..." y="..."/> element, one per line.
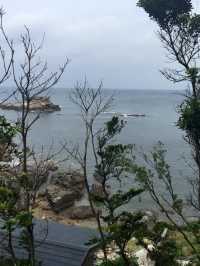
<point x="179" y="32"/>
<point x="157" y="168"/>
<point x="165" y="254"/>
<point x="8" y="209"/>
<point x="189" y="119"/>
<point x="193" y="226"/>
<point x="114" y="126"/>
<point x="113" y="165"/>
<point x="122" y="198"/>
<point x="114" y="159"/>
<point x="24" y="219"/>
<point x="125" y="226"/>
<point x="166" y="12"/>
<point x="7" y="131"/>
<point x="10" y="196"/>
<point x="158" y="156"/>
<point x="194" y="25"/>
<point x="165" y="250"/>
<point x="7" y="200"/>
<point x="118" y="262"/>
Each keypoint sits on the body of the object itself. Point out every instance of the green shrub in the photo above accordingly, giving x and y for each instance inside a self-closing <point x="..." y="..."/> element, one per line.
<point x="165" y="254"/>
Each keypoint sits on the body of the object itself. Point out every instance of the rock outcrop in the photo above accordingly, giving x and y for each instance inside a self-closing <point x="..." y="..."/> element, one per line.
<point x="97" y="190"/>
<point x="64" y="189"/>
<point x="37" y="104"/>
<point x="81" y="212"/>
<point x="60" y="198"/>
<point x="69" y="180"/>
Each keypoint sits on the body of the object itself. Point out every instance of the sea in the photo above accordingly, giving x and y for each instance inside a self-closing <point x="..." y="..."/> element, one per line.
<point x="158" y="124"/>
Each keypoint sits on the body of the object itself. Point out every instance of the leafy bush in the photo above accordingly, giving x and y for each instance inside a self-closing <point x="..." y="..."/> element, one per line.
<point x="189" y="119"/>
<point x="165" y="254"/>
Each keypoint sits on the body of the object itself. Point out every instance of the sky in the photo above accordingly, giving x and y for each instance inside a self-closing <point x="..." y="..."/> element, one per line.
<point x="112" y="41"/>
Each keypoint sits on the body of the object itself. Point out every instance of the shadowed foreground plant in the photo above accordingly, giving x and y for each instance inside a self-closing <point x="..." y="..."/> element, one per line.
<point x="31" y="79"/>
<point x="155" y="176"/>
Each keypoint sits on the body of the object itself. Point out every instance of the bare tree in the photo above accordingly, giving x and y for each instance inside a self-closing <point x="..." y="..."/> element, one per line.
<point x="40" y="167"/>
<point x="32" y="80"/>
<point x="6" y="58"/>
<point x="91" y="103"/>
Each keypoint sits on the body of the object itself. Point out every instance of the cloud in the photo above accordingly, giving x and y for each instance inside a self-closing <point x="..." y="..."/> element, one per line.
<point x="109" y="40"/>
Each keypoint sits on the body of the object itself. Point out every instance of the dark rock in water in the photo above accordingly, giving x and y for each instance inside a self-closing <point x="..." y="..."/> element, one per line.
<point x="81" y="212"/>
<point x="60" y="199"/>
<point x="37" y="104"/>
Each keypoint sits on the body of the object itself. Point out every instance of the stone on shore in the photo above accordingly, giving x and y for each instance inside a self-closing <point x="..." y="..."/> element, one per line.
<point x="60" y="198"/>
<point x="70" y="180"/>
<point x="97" y="190"/>
<point x="64" y="189"/>
<point x="81" y="212"/>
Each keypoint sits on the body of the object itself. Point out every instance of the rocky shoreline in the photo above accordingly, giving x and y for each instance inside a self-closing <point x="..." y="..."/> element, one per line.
<point x="37" y="104"/>
<point x="61" y="196"/>
<point x="42" y="210"/>
<point x="64" y="200"/>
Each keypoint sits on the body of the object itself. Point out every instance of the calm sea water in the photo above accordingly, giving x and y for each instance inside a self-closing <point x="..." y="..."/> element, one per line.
<point x="158" y="124"/>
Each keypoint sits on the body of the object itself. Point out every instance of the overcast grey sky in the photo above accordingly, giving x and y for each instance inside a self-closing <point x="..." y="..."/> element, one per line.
<point x="109" y="40"/>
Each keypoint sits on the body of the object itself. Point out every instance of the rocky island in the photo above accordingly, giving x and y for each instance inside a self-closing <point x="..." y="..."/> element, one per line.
<point x="43" y="104"/>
